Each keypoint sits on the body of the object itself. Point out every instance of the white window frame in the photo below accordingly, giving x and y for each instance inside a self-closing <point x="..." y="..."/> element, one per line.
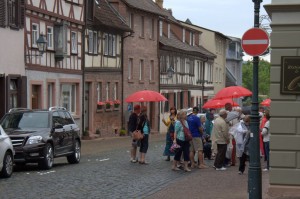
<point x="90" y="47"/>
<point x="34" y="34"/>
<point x="99" y="91"/>
<point x="109" y="44"/>
<point x="50" y="38"/>
<point x="69" y="95"/>
<point x="141" y="71"/>
<point x="183" y="35"/>
<point x="74" y="42"/>
<point x="130" y="68"/>
<point x="161" y="28"/>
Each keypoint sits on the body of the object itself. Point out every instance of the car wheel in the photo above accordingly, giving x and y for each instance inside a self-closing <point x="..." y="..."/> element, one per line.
<point x="75" y="157"/>
<point x="47" y="161"/>
<point x="7" y="165"/>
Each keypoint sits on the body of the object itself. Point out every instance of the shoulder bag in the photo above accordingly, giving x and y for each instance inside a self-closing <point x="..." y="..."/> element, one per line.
<point x="137" y="134"/>
<point x="187" y="133"/>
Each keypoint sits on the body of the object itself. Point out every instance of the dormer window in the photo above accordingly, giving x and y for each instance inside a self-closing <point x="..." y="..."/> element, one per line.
<point x="183" y="35"/>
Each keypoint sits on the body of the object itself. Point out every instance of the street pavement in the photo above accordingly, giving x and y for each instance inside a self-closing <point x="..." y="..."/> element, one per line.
<point x="105" y="172"/>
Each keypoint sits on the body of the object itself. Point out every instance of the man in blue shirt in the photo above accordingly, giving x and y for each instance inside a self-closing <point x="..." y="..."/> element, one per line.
<point x="196" y="144"/>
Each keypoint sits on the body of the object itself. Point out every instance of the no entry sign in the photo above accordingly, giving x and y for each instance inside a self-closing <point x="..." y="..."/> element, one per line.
<point x="255" y="41"/>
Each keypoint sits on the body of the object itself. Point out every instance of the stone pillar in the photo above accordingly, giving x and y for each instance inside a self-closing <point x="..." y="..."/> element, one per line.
<point x="285" y="106"/>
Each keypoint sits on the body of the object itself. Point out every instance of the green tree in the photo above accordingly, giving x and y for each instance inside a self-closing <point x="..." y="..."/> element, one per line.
<point x="263" y="77"/>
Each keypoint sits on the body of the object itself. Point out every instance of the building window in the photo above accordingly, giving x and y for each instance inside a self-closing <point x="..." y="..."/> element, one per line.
<point x="99" y="91"/>
<point x="93" y="42"/>
<point x="50" y="97"/>
<point x="130" y="20"/>
<point x="130" y="68"/>
<point x="183" y="35"/>
<point x="142" y="27"/>
<point x="169" y="31"/>
<point x="68" y="94"/>
<point x="109" y="44"/>
<point x="151" y="70"/>
<point x="74" y="42"/>
<point x="50" y="37"/>
<point x="34" y="34"/>
<point x="90" y="10"/>
<point x="141" y="76"/>
<point x="160" y="28"/>
<point x="13" y="98"/>
<point x="116" y="90"/>
<point x="193" y="39"/>
<point x="107" y="90"/>
<point x="152" y="28"/>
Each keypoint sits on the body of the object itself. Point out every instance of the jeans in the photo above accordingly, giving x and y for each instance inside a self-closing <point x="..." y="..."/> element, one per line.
<point x="267" y="152"/>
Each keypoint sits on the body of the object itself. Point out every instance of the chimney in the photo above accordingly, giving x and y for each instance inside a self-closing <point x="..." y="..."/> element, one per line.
<point x="170" y="11"/>
<point x="160" y="3"/>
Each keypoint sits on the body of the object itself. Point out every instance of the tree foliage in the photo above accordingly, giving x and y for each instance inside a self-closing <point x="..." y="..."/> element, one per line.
<point x="263" y="77"/>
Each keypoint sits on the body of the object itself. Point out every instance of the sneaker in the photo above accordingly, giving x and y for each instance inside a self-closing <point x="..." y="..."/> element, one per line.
<point x="221" y="169"/>
<point x="265" y="169"/>
<point x="133" y="160"/>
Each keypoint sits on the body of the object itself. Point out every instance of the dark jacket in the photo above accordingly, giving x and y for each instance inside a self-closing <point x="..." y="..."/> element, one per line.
<point x="132" y="123"/>
<point x="141" y="122"/>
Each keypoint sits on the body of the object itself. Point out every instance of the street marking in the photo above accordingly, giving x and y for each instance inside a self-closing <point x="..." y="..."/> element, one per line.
<point x="259" y="41"/>
<point x="44" y="173"/>
<point x="104" y="160"/>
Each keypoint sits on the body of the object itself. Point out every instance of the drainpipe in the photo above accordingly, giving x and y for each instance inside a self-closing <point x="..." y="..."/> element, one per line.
<point x="83" y="69"/>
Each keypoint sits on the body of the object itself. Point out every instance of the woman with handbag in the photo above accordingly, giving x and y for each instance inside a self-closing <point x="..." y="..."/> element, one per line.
<point x="179" y="138"/>
<point x="144" y="127"/>
<point x="170" y="123"/>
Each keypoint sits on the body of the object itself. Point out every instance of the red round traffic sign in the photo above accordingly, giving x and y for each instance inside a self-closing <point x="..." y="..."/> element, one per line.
<point x="255" y="41"/>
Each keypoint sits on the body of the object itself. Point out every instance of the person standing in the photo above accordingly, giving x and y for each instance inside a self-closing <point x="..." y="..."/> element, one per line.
<point x="210" y="116"/>
<point x="220" y="131"/>
<point x="242" y="142"/>
<point x="170" y="123"/>
<point x="144" y="127"/>
<point x="180" y="140"/>
<point x="196" y="145"/>
<point x="132" y="126"/>
<point x="266" y="138"/>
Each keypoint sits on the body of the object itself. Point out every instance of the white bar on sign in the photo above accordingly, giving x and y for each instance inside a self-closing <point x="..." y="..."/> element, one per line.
<point x="262" y="41"/>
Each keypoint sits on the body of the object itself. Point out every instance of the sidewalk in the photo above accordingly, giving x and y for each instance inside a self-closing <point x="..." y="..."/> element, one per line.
<point x="200" y="183"/>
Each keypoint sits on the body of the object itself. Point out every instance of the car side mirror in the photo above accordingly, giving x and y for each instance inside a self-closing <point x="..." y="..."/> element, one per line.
<point x="58" y="126"/>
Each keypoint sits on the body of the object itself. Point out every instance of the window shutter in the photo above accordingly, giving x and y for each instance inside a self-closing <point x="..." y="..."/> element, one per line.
<point x="21" y="20"/>
<point x="2" y="13"/>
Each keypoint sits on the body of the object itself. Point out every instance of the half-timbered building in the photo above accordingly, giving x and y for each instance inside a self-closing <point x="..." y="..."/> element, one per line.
<point x="186" y="67"/>
<point x="140" y="56"/>
<point x="103" y="72"/>
<point x="12" y="69"/>
<point x="55" y="77"/>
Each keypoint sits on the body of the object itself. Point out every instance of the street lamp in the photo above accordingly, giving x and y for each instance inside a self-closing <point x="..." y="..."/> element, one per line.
<point x="41" y="44"/>
<point x="170" y="72"/>
<point x="254" y="177"/>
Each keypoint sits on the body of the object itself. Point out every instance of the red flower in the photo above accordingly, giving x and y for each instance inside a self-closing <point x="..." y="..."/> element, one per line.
<point x="109" y="102"/>
<point x="100" y="103"/>
<point x="117" y="101"/>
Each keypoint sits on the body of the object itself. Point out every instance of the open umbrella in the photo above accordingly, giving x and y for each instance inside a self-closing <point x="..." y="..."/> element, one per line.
<point x="266" y="102"/>
<point x="219" y="103"/>
<point x="232" y="92"/>
<point x="146" y="96"/>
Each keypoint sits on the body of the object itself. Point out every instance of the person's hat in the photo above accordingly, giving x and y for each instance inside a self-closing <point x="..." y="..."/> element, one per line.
<point x="195" y="109"/>
<point x="189" y="111"/>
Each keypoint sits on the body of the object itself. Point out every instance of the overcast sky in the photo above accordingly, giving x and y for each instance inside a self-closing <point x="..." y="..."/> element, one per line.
<point x="230" y="17"/>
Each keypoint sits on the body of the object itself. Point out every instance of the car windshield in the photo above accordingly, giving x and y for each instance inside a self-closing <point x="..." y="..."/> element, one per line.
<point x="26" y="120"/>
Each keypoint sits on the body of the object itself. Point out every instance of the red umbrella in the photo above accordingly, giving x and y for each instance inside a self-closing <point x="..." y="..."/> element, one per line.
<point x="217" y="103"/>
<point x="146" y="96"/>
<point x="232" y="92"/>
<point x="266" y="102"/>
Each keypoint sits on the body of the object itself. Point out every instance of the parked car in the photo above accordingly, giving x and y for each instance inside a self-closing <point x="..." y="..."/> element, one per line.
<point x="39" y="136"/>
<point x="6" y="155"/>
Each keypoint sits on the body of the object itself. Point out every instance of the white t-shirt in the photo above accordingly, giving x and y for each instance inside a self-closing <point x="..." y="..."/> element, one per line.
<point x="266" y="132"/>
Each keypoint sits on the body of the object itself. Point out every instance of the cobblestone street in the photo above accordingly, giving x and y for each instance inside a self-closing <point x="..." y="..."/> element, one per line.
<point x="105" y="172"/>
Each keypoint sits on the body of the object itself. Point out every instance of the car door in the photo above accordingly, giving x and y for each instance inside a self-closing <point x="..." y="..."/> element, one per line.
<point x="58" y="132"/>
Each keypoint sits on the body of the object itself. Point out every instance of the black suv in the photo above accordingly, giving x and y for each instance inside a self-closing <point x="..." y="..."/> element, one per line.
<point x="38" y="136"/>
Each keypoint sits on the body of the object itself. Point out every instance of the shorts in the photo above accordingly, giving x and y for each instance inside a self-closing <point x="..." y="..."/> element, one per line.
<point x="196" y="144"/>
